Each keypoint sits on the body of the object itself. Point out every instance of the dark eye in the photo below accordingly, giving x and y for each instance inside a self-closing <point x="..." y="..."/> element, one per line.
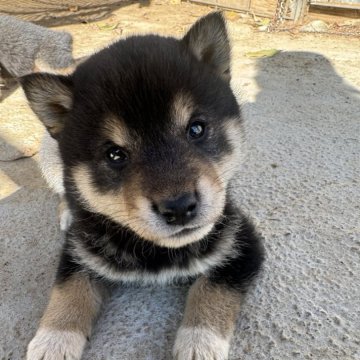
<point x="196" y="130"/>
<point x="116" y="155"/>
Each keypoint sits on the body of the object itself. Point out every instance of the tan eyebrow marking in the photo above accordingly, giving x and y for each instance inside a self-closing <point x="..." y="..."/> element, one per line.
<point x="182" y="108"/>
<point x="115" y="129"/>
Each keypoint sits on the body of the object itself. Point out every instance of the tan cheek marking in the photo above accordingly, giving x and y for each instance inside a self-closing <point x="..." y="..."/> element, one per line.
<point x="73" y="305"/>
<point x="212" y="306"/>
<point x="235" y="132"/>
<point x="212" y="195"/>
<point x="122" y="206"/>
<point x="210" y="179"/>
<point x="182" y="109"/>
<point x="106" y="204"/>
<point x="225" y="169"/>
<point x="228" y="165"/>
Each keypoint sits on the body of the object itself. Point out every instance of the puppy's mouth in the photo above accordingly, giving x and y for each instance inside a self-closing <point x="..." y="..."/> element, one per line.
<point x="186" y="231"/>
<point x="192" y="232"/>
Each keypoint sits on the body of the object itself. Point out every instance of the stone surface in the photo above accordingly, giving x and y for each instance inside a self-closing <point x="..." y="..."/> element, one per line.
<point x="315" y="26"/>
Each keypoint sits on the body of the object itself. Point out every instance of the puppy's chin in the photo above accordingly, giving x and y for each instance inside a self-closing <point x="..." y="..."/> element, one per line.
<point x="183" y="237"/>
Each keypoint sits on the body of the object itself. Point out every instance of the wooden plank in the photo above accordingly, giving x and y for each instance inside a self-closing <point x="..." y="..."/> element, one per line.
<point x="242" y="5"/>
<point x="332" y="14"/>
<point x="264" y="7"/>
<point x="235" y="4"/>
<point x="300" y="10"/>
<point x="355" y="6"/>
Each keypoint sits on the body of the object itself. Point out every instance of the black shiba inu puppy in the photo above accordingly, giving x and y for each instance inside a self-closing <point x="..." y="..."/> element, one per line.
<point x="149" y="133"/>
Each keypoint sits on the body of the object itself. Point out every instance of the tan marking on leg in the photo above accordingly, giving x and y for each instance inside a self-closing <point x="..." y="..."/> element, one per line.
<point x="73" y="305"/>
<point x="212" y="306"/>
<point x="67" y="321"/>
<point x="112" y="204"/>
<point x="208" y="323"/>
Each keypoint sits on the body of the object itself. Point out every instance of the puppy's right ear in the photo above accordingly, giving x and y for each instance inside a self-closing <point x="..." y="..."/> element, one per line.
<point x="51" y="99"/>
<point x="208" y="40"/>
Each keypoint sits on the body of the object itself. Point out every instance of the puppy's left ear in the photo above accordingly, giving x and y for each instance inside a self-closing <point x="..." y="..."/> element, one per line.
<point x="208" y="40"/>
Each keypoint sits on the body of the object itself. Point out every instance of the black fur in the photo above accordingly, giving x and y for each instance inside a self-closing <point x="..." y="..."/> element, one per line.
<point x="240" y="271"/>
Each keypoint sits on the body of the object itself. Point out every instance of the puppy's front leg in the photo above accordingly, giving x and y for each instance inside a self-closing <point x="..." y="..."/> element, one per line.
<point x="66" y="324"/>
<point x="214" y="301"/>
<point x="208" y="323"/>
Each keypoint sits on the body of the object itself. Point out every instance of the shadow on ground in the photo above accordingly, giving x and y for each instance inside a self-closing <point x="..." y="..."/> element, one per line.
<point x="300" y="182"/>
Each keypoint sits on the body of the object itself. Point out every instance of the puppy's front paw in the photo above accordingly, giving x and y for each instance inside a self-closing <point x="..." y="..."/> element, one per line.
<point x="49" y="344"/>
<point x="199" y="343"/>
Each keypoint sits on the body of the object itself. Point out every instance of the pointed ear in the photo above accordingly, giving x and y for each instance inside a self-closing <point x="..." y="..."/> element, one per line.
<point x="50" y="97"/>
<point x="208" y="40"/>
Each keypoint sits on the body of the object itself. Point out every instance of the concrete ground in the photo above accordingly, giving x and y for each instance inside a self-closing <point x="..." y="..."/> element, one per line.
<point x="300" y="184"/>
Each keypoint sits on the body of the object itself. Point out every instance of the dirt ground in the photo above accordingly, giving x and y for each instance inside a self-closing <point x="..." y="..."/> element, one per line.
<point x="300" y="184"/>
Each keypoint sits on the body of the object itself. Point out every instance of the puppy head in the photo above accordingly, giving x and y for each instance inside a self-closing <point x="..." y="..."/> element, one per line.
<point x="149" y="131"/>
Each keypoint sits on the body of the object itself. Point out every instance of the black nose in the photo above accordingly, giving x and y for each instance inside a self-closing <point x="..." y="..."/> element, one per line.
<point x="178" y="211"/>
